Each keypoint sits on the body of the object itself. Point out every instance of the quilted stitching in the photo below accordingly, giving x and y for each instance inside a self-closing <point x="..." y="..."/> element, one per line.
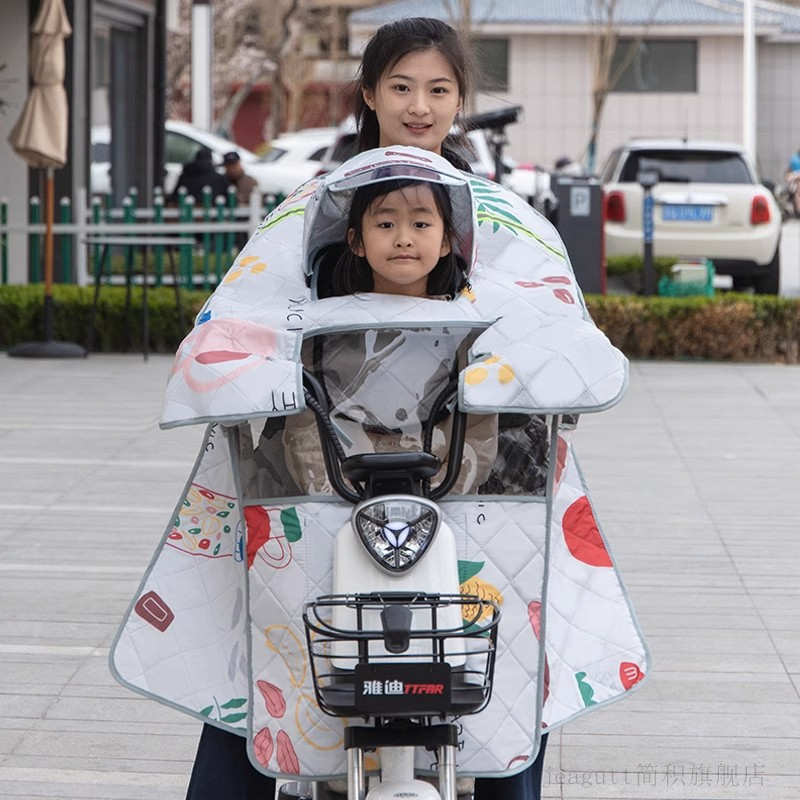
<point x="537" y="327"/>
<point x="522" y="288"/>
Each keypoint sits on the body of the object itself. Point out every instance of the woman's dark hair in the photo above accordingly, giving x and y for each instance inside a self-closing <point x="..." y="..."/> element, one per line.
<point x="393" y="42"/>
<point x="341" y="272"/>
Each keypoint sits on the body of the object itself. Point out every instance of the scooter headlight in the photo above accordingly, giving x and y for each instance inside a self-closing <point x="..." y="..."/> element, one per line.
<point x="397" y="530"/>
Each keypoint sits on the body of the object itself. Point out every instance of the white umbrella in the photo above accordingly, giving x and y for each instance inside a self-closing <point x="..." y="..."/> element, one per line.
<point x="40" y="137"/>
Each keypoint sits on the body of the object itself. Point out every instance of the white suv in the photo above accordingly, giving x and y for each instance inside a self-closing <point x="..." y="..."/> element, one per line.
<point x="708" y="203"/>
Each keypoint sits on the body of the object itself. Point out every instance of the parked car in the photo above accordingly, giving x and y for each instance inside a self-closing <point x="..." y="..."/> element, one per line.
<point x="292" y="159"/>
<point x="708" y="203"/>
<point x="295" y="157"/>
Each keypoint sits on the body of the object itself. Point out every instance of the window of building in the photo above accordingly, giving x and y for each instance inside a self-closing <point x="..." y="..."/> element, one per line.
<point x="655" y="65"/>
<point x="492" y="57"/>
<point x="101" y="66"/>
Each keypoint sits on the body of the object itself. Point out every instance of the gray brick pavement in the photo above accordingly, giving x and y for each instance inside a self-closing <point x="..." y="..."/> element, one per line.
<point x="693" y="475"/>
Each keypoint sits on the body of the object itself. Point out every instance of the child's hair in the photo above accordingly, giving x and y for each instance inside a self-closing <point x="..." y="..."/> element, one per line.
<point x="393" y="42"/>
<point x="341" y="272"/>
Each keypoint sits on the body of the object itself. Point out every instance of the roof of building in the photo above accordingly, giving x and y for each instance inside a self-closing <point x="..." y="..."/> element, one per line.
<point x="726" y="13"/>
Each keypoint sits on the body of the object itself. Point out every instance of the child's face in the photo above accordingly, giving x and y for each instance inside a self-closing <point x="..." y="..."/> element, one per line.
<point x="416" y="101"/>
<point x="402" y="238"/>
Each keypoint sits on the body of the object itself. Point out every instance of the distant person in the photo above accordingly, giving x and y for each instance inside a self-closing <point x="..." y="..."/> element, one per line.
<point x="237" y="177"/>
<point x="793" y="180"/>
<point x="198" y="173"/>
<point x="566" y="166"/>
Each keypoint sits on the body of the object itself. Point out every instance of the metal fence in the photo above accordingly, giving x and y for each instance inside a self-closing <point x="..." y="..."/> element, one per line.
<point x="211" y="233"/>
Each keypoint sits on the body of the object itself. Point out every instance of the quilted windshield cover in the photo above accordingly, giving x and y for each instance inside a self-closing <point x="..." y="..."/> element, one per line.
<point x="215" y="627"/>
<point x="540" y="351"/>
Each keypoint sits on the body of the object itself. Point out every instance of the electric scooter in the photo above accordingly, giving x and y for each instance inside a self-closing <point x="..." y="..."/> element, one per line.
<point x="396" y="644"/>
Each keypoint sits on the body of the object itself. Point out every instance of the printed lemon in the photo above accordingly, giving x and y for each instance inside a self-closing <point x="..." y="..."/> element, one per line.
<point x="483" y="589"/>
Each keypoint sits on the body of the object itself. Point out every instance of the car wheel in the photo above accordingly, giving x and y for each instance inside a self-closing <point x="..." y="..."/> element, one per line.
<point x="770" y="281"/>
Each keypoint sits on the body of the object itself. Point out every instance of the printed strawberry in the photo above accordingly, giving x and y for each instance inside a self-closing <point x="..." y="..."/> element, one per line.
<point x="287" y="758"/>
<point x="535" y="617"/>
<point x="630" y="674"/>
<point x="273" y="697"/>
<point x="583" y="536"/>
<point x="263" y="746"/>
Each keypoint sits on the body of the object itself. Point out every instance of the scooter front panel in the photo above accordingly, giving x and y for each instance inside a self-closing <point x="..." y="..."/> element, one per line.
<point x="484" y="547"/>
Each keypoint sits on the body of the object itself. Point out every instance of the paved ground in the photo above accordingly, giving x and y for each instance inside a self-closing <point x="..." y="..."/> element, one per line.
<point x="693" y="474"/>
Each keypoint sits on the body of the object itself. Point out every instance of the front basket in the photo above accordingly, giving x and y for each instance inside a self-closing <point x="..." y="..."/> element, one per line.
<point x="444" y="670"/>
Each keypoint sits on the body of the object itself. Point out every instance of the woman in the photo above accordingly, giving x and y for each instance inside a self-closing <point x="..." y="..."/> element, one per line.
<point x="414" y="78"/>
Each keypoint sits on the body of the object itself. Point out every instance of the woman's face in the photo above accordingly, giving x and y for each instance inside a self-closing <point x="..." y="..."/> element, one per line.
<point x="416" y="101"/>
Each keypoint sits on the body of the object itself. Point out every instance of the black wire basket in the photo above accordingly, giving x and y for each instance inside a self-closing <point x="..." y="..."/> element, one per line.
<point x="439" y="663"/>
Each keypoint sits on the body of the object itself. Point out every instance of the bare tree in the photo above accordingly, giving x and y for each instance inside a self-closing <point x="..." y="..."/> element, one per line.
<point x="238" y="59"/>
<point x="459" y="13"/>
<point x="605" y="76"/>
<point x="258" y="41"/>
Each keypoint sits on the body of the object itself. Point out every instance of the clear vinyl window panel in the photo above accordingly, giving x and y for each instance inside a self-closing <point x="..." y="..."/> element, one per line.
<point x="382" y="386"/>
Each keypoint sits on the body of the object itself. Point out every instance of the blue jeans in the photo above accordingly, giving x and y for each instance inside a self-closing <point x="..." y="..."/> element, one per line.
<point x="223" y="770"/>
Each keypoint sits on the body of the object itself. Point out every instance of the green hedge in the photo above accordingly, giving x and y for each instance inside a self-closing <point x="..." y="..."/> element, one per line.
<point x="116" y="328"/>
<point x="631" y="266"/>
<point x="729" y="327"/>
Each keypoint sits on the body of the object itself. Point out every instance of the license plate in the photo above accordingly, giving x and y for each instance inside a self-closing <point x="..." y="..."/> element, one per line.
<point x="687" y="213"/>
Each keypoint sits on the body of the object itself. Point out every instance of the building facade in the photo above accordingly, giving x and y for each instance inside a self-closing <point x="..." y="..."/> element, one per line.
<point x="684" y="78"/>
<point x="114" y="75"/>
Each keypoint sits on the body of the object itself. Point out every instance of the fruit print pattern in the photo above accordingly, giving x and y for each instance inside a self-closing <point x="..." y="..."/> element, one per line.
<point x="204" y="524"/>
<point x="535" y="618"/>
<point x="270" y="535"/>
<point x="251" y="264"/>
<point x="273" y="698"/>
<point x="630" y="674"/>
<point x="472" y="584"/>
<point x="220" y="351"/>
<point x="583" y="536"/>
<point x="492" y="366"/>
<point x="556" y="283"/>
<point x="268" y="281"/>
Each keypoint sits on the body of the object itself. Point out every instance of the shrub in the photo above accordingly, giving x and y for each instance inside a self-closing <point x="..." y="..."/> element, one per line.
<point x="117" y="323"/>
<point x="729" y="327"/>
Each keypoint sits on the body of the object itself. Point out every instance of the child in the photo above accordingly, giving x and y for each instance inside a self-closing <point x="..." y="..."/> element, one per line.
<point x="401" y="240"/>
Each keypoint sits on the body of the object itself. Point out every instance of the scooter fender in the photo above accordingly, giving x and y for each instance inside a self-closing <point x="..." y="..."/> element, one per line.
<point x="413" y="790"/>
